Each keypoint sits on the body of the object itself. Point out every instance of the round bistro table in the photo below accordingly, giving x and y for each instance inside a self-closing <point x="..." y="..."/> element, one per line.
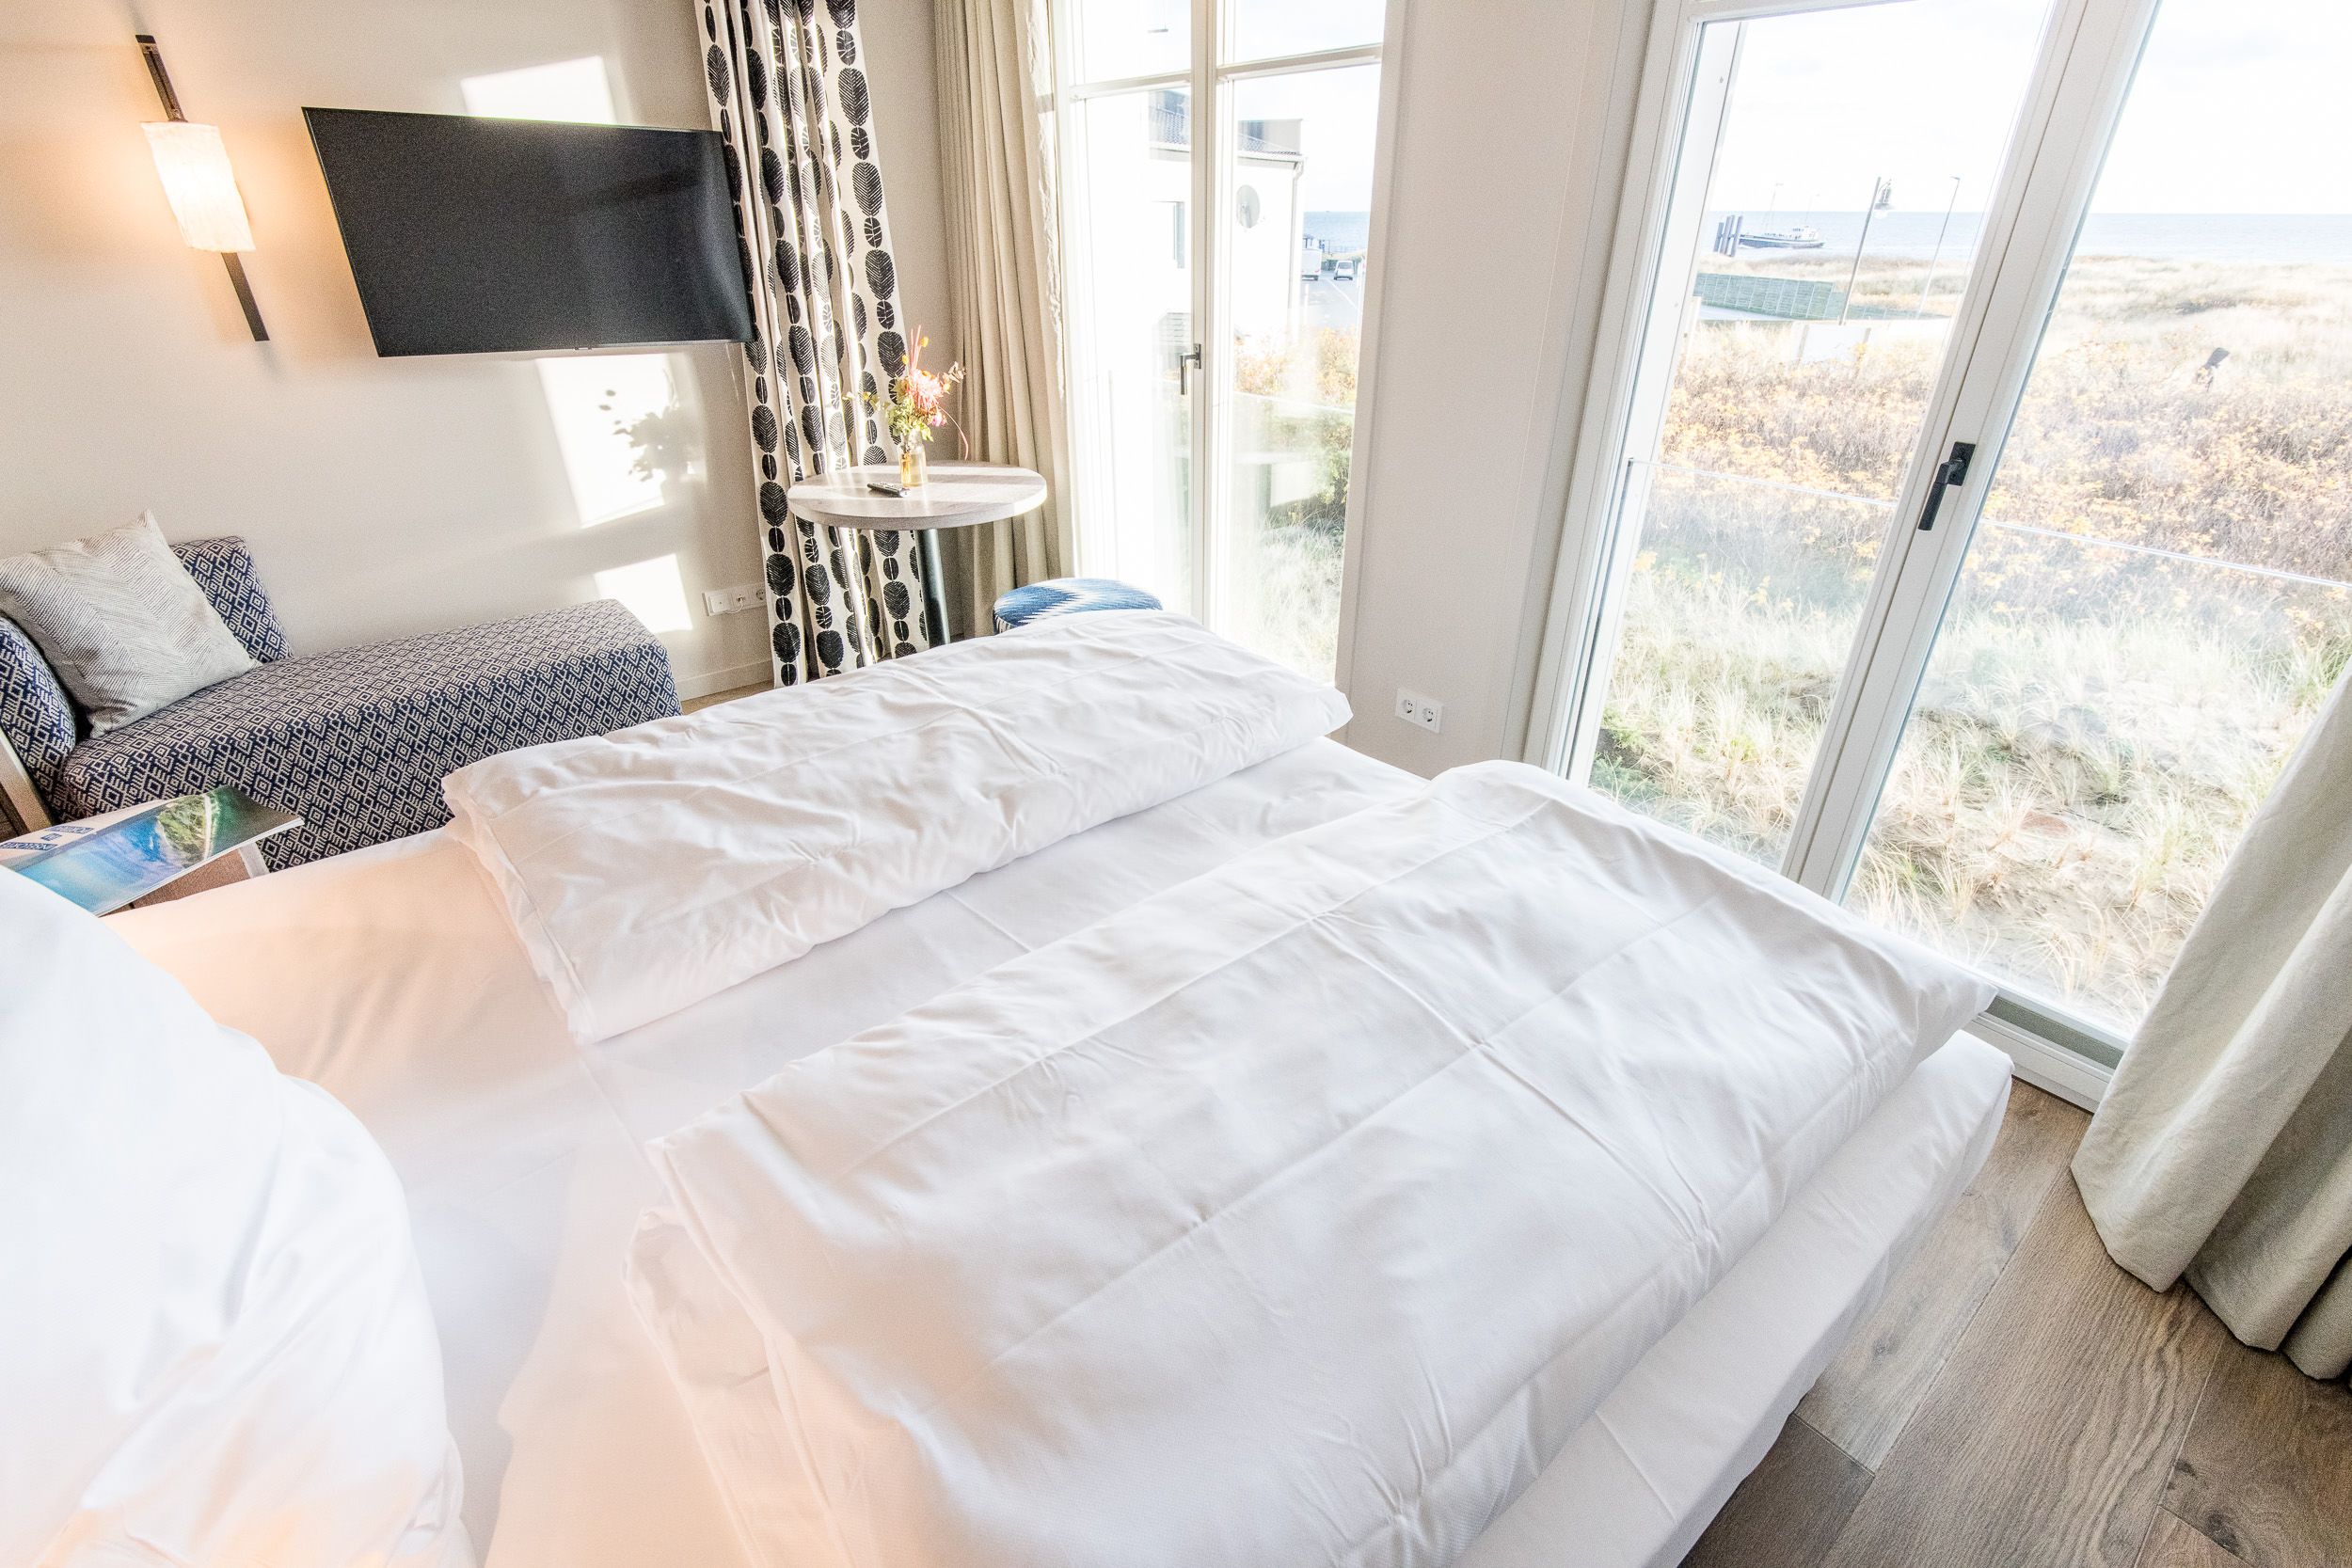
<point x="958" y="495"/>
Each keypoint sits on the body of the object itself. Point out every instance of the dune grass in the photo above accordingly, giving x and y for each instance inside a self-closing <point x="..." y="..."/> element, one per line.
<point x="2098" y="723"/>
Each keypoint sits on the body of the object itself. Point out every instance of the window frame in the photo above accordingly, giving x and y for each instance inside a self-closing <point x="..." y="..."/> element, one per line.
<point x="1209" y="81"/>
<point x="2072" y="107"/>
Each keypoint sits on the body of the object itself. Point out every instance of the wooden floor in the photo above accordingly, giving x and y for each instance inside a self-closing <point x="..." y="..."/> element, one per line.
<point x="692" y="703"/>
<point x="2019" y="1401"/>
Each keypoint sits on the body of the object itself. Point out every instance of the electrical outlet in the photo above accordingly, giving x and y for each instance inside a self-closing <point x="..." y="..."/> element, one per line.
<point x="1420" y="711"/>
<point x="731" y="601"/>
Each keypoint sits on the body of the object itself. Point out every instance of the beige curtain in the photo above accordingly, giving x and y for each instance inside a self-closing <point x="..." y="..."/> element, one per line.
<point x="2223" y="1150"/>
<point x="996" y="151"/>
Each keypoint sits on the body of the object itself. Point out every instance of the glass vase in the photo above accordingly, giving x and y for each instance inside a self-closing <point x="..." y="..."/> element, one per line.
<point x="914" y="466"/>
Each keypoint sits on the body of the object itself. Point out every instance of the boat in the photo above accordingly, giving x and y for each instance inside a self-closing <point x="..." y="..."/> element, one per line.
<point x="1802" y="236"/>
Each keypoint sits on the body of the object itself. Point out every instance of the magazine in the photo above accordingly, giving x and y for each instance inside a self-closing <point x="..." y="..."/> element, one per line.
<point x="104" y="863"/>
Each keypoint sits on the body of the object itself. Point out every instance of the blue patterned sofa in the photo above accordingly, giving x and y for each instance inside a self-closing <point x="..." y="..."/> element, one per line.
<point x="357" y="740"/>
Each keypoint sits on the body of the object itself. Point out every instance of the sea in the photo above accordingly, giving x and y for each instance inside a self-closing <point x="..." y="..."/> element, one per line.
<point x="1340" y="232"/>
<point x="1914" y="236"/>
<point x="2172" y="236"/>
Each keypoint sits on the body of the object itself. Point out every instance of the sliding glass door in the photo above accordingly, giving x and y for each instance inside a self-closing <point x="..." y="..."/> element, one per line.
<point x="1129" y="243"/>
<point x="1998" y="621"/>
<point x="1217" y="220"/>
<point x="1822" y="229"/>
<point x="2158" y="591"/>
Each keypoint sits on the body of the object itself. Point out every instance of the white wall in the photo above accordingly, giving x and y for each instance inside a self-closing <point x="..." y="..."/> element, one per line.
<point x="1511" y="117"/>
<point x="381" y="495"/>
<point x="900" y="66"/>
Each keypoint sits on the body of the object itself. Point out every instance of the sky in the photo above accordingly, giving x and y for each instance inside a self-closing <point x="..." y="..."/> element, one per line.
<point x="1341" y="108"/>
<point x="2235" y="108"/>
<point x="1136" y="38"/>
<point x="1340" y="115"/>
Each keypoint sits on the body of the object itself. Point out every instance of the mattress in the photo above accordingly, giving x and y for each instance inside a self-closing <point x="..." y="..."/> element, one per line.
<point x="522" y="1154"/>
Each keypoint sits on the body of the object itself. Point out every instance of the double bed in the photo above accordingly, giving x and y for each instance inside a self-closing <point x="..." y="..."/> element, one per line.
<point x="395" y="978"/>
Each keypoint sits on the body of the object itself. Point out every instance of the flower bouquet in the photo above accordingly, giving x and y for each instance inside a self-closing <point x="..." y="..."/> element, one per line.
<point x="916" y="406"/>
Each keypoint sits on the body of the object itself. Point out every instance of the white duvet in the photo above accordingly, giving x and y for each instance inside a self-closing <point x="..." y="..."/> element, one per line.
<point x="648" y="869"/>
<point x="1295" y="1216"/>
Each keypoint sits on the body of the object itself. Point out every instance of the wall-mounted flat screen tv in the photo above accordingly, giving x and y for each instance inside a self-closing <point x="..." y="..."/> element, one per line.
<point x="472" y="235"/>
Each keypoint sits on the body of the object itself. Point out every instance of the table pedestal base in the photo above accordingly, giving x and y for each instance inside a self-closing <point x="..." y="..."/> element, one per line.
<point x="935" y="586"/>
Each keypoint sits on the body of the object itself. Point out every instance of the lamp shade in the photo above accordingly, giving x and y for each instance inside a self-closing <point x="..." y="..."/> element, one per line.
<point x="194" y="165"/>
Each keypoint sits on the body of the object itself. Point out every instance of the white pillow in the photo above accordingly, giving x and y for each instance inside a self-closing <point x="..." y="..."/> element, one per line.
<point x="215" y="1343"/>
<point x="120" y="622"/>
<point x="647" y="869"/>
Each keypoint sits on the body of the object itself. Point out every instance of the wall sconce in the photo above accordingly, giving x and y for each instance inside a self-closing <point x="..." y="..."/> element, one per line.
<point x="193" y="163"/>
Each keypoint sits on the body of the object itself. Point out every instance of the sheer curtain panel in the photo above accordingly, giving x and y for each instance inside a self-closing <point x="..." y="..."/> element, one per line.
<point x="2223" y="1150"/>
<point x="995" y="68"/>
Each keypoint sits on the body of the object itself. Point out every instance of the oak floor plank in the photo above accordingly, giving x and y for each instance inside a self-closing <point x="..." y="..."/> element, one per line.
<point x="2049" y="1434"/>
<point x="695" y="705"/>
<point x="2266" y="1469"/>
<point x="1871" y="1390"/>
<point x="1789" y="1510"/>
<point x="2173" y="1544"/>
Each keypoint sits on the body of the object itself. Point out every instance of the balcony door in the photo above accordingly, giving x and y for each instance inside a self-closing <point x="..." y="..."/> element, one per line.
<point x="1217" y="223"/>
<point x="1971" y="539"/>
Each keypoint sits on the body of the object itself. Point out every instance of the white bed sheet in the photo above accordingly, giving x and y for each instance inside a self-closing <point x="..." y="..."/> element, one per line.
<point x="1429" y="1121"/>
<point x="523" y="1157"/>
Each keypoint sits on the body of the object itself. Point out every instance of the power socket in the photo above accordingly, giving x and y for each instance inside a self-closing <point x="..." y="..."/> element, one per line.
<point x="1418" y="711"/>
<point x="731" y="601"/>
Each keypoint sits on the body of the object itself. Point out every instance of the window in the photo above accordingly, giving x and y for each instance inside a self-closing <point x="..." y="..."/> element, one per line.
<point x="1213" y="391"/>
<point x="1962" y="545"/>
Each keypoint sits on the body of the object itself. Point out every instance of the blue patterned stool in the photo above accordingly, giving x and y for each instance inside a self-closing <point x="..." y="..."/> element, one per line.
<point x="1040" y="601"/>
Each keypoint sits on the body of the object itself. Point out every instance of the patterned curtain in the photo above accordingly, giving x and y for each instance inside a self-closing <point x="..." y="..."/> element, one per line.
<point x="789" y="97"/>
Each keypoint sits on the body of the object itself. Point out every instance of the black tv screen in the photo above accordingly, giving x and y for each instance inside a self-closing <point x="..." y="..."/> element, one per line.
<point x="471" y="235"/>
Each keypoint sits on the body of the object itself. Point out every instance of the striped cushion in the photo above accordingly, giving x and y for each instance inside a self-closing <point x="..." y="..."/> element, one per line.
<point x="1068" y="597"/>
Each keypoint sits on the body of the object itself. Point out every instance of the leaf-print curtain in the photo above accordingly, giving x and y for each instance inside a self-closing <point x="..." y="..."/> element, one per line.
<point x="789" y="97"/>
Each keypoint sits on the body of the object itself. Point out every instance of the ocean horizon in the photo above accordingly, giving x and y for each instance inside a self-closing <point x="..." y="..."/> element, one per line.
<point x="2170" y="236"/>
<point x="1339" y="232"/>
<point x="1913" y="236"/>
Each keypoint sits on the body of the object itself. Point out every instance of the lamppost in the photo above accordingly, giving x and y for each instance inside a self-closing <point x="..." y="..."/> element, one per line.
<point x="1882" y="198"/>
<point x="1938" y="254"/>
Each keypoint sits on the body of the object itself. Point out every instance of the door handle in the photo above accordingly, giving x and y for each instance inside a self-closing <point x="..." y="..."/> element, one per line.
<point x="1186" y="365"/>
<point x="1952" y="471"/>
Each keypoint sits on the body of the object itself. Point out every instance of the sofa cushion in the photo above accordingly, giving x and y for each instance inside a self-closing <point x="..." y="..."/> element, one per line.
<point x="36" y="715"/>
<point x="120" y="621"/>
<point x="37" y="718"/>
<point x="357" y="740"/>
<point x="223" y="567"/>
